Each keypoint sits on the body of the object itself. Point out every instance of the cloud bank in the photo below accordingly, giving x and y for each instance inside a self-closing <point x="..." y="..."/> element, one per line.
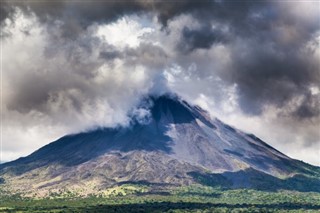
<point x="70" y="66"/>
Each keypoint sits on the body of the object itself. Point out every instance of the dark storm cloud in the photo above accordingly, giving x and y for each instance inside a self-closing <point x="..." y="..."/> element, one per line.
<point x="77" y="15"/>
<point x="274" y="77"/>
<point x="202" y="38"/>
<point x="5" y="11"/>
<point x="270" y="63"/>
<point x="74" y="16"/>
<point x="276" y="64"/>
<point x="272" y="51"/>
<point x="310" y="107"/>
<point x="85" y="12"/>
<point x="110" y="55"/>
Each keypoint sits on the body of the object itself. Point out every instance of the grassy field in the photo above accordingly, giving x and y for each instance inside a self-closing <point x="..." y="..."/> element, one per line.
<point x="137" y="198"/>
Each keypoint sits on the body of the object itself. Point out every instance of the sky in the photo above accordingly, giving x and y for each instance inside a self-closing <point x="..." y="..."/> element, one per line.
<point x="73" y="66"/>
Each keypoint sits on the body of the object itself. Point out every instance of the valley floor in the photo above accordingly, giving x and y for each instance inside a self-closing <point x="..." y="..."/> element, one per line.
<point x="184" y="199"/>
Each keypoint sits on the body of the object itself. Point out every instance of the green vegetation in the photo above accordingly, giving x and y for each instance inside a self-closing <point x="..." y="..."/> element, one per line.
<point x="140" y="198"/>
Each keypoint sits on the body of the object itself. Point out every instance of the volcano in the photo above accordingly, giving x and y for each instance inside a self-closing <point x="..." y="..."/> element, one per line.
<point x="173" y="144"/>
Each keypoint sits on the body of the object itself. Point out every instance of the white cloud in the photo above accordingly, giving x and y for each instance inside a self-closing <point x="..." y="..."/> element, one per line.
<point x="126" y="32"/>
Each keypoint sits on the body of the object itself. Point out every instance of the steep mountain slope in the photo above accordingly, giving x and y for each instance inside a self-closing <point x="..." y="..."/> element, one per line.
<point x="176" y="144"/>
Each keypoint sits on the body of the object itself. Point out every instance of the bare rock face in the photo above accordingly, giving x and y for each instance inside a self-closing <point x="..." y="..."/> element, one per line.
<point x="175" y="144"/>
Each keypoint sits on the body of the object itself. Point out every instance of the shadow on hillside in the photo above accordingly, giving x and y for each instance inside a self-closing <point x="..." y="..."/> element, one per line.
<point x="183" y="206"/>
<point x="80" y="148"/>
<point x="254" y="179"/>
<point x="166" y="206"/>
